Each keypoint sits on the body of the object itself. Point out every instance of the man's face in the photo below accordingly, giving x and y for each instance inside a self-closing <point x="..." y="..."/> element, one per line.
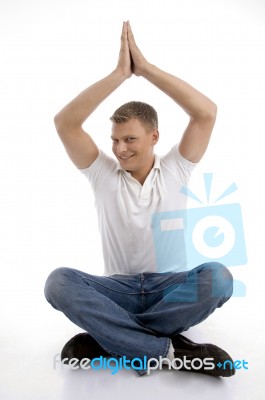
<point x="133" y="145"/>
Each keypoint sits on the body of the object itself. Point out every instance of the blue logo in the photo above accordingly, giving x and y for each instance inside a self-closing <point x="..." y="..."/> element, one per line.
<point x="187" y="238"/>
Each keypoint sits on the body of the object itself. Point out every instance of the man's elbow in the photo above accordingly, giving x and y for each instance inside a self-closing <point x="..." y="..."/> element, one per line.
<point x="214" y="110"/>
<point x="211" y="112"/>
<point x="57" y="121"/>
<point x="60" y="124"/>
<point x="207" y="115"/>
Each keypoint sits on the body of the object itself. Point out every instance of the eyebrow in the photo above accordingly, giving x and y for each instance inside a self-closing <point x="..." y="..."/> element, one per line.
<point x="124" y="137"/>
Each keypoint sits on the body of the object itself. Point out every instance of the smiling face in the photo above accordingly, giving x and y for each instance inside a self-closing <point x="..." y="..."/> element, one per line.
<point x="133" y="145"/>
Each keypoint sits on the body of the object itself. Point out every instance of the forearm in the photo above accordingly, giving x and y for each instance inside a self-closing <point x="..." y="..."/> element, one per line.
<point x="194" y="103"/>
<point x="74" y="114"/>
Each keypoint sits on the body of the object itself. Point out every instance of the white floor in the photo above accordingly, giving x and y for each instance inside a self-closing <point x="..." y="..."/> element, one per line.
<point x="33" y="333"/>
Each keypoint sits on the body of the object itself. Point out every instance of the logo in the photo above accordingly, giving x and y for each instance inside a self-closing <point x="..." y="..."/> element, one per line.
<point x="147" y="365"/>
<point x="185" y="239"/>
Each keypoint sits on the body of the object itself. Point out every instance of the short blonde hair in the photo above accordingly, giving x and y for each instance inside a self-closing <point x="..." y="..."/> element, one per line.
<point x="138" y="110"/>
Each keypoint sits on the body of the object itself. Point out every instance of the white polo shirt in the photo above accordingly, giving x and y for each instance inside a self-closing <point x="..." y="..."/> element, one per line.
<point x="129" y="214"/>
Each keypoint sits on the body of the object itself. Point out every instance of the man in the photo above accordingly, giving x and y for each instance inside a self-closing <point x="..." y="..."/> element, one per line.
<point x="143" y="303"/>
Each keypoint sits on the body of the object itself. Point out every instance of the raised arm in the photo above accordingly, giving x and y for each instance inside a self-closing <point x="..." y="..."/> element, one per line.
<point x="201" y="110"/>
<point x="79" y="145"/>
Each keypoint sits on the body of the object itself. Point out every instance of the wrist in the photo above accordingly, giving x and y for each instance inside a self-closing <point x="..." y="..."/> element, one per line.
<point x="120" y="75"/>
<point x="148" y="70"/>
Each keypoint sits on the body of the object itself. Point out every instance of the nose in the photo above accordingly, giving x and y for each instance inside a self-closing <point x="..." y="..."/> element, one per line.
<point x="121" y="147"/>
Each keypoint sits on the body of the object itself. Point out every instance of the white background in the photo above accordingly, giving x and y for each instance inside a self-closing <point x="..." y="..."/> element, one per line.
<point x="50" y="51"/>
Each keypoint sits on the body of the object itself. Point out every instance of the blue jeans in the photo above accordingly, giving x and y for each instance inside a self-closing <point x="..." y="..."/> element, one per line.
<point x="135" y="315"/>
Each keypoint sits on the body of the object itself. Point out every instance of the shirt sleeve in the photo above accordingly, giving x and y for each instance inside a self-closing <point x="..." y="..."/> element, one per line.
<point x="178" y="165"/>
<point x="98" y="172"/>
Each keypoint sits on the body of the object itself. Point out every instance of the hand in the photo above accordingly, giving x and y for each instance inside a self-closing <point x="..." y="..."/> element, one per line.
<point x="124" y="65"/>
<point x="139" y="63"/>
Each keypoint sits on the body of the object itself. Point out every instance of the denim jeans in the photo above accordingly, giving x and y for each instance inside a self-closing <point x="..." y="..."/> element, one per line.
<point x="135" y="315"/>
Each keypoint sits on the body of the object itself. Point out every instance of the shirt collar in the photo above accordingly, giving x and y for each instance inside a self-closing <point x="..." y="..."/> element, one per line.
<point x="157" y="163"/>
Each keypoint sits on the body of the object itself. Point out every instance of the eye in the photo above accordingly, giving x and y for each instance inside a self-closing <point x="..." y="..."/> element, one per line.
<point x="130" y="139"/>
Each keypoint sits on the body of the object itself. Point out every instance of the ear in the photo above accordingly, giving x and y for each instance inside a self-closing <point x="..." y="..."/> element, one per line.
<point x="155" y="136"/>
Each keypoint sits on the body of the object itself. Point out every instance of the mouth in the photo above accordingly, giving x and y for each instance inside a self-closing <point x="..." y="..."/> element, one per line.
<point x="125" y="158"/>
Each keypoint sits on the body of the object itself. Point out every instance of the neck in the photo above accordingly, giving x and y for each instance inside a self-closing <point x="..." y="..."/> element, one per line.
<point x="142" y="174"/>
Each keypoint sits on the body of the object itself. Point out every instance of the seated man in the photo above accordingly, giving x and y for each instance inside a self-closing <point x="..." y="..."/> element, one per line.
<point x="140" y="307"/>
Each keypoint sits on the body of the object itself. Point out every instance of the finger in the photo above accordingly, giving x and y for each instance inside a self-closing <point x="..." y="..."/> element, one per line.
<point x="130" y="34"/>
<point x="124" y="39"/>
<point x="123" y="30"/>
